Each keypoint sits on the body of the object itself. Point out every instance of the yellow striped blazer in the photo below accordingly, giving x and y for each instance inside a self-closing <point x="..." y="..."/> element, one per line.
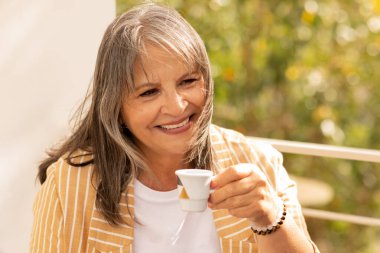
<point x="67" y="220"/>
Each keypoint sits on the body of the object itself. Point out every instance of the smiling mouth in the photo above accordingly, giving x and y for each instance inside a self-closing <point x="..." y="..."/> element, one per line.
<point x="181" y="124"/>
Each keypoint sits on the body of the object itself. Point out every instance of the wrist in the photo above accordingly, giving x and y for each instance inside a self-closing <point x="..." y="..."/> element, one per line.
<point x="269" y="227"/>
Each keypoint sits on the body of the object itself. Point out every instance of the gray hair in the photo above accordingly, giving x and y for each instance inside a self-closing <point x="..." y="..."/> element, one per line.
<point x="124" y="41"/>
<point x="116" y="157"/>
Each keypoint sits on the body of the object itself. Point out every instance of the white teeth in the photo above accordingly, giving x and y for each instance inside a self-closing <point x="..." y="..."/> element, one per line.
<point x="175" y="126"/>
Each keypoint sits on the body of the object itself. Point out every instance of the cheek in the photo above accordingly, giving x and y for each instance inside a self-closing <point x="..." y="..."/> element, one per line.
<point x="201" y="99"/>
<point x="203" y="93"/>
<point x="198" y="96"/>
<point x="137" y="117"/>
<point x="126" y="113"/>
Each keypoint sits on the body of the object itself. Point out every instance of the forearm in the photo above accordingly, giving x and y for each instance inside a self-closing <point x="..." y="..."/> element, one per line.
<point x="289" y="238"/>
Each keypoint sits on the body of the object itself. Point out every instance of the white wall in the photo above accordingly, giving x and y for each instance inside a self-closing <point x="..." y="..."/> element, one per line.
<point x="47" y="55"/>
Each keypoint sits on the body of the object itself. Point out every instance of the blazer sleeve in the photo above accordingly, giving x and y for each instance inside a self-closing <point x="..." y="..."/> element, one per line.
<point x="47" y="230"/>
<point x="271" y="163"/>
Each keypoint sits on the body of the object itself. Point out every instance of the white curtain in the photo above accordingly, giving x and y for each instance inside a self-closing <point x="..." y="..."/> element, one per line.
<point x="47" y="55"/>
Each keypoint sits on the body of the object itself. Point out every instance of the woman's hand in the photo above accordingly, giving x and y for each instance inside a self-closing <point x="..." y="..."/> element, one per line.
<point x="243" y="189"/>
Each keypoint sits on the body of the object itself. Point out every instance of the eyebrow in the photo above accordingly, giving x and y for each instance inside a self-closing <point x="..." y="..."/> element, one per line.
<point x="143" y="85"/>
<point x="152" y="84"/>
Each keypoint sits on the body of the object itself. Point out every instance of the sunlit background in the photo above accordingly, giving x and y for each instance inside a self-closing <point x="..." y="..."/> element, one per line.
<point x="294" y="70"/>
<point x="303" y="71"/>
<point x="47" y="56"/>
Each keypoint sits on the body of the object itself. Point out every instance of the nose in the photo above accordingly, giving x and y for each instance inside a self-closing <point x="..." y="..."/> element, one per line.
<point x="175" y="104"/>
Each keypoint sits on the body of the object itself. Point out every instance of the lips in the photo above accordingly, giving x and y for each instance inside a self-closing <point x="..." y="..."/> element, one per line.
<point x="174" y="126"/>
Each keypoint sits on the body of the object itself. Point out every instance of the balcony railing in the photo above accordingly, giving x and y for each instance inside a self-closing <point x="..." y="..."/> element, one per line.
<point x="311" y="149"/>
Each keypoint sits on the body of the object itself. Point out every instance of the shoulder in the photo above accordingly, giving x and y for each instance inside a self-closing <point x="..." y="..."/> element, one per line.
<point x="73" y="176"/>
<point x="219" y="134"/>
<point x="252" y="149"/>
<point x="76" y="162"/>
<point x="265" y="150"/>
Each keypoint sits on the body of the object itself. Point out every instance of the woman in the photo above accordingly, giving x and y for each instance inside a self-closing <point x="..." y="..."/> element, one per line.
<point x="111" y="187"/>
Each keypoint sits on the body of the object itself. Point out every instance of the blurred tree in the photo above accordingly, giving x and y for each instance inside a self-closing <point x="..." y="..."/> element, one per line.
<point x="301" y="70"/>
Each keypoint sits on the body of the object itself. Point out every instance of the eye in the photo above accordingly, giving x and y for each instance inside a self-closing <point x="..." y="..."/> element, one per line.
<point x="149" y="92"/>
<point x="189" y="81"/>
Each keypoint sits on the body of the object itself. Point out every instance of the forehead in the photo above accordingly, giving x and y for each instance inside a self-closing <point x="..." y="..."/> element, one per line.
<point x="157" y="61"/>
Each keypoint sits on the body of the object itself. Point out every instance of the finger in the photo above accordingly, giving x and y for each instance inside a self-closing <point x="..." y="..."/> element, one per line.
<point x="240" y="187"/>
<point x="260" y="213"/>
<point x="246" y="211"/>
<point x="231" y="174"/>
<point x="235" y="201"/>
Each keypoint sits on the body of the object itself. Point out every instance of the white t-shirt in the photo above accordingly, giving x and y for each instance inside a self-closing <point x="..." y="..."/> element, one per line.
<point x="166" y="228"/>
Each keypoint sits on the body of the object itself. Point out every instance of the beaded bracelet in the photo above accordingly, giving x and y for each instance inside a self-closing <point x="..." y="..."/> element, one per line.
<point x="275" y="225"/>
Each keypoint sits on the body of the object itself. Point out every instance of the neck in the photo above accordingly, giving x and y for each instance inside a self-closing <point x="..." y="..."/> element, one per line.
<point x="161" y="175"/>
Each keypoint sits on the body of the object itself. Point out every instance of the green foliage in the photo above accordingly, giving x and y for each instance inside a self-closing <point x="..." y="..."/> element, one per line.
<point x="305" y="71"/>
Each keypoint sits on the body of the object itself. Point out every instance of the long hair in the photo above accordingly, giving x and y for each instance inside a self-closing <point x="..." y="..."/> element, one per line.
<point x="115" y="156"/>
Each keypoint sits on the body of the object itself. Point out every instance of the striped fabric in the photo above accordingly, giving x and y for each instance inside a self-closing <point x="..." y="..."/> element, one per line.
<point x="66" y="219"/>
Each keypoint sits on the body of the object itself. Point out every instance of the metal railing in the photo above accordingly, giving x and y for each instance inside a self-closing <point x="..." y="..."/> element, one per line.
<point x="311" y="149"/>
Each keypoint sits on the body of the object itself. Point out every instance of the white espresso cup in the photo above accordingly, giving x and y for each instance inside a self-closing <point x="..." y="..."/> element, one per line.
<point x="193" y="188"/>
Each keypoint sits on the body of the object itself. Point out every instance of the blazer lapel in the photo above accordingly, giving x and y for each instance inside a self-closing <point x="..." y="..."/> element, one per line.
<point x="108" y="238"/>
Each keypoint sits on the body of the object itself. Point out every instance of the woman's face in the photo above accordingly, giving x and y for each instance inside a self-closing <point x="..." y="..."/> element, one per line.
<point x="167" y="101"/>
